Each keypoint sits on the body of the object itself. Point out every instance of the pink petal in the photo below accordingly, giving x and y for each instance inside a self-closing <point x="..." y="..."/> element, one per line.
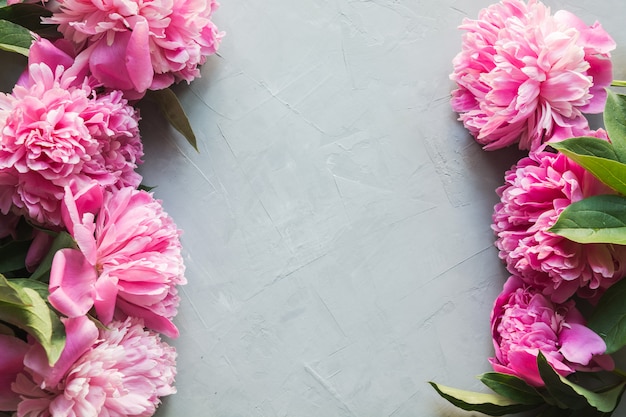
<point x="72" y="282"/>
<point x="151" y="320"/>
<point x="138" y="61"/>
<point x="81" y="334"/>
<point x="104" y="62"/>
<point x="579" y="344"/>
<point x="106" y="295"/>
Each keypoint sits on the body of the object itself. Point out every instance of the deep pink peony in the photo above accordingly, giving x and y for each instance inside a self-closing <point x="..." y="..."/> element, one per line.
<point x="522" y="73"/>
<point x="135" y="45"/>
<point x="536" y="191"/>
<point x="128" y="262"/>
<point x="12" y="355"/>
<point x="524" y="323"/>
<point x="56" y="130"/>
<point x="119" y="371"/>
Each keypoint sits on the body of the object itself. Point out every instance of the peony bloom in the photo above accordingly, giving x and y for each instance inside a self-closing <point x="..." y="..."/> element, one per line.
<point x="55" y="130"/>
<point x="536" y="191"/>
<point x="128" y="262"/>
<point x="119" y="371"/>
<point x="523" y="73"/>
<point x="135" y="45"/>
<point x="524" y="323"/>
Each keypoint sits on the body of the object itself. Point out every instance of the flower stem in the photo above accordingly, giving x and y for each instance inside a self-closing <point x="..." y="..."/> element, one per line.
<point x="618" y="83"/>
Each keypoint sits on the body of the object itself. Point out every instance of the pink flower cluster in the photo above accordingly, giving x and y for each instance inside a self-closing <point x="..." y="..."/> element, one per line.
<point x="524" y="322"/>
<point x="527" y="76"/>
<point x="136" y="45"/>
<point x="536" y="191"/>
<point x="122" y="370"/>
<point x="69" y="148"/>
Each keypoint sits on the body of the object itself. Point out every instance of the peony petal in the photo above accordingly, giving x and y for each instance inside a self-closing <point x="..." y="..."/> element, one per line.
<point x="579" y="344"/>
<point x="72" y="283"/>
<point x="81" y="334"/>
<point x="153" y="321"/>
<point x="104" y="62"/>
<point x="106" y="295"/>
<point x="138" y="62"/>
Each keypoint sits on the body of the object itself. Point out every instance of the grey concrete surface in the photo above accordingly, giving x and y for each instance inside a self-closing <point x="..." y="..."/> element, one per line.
<point x="336" y="217"/>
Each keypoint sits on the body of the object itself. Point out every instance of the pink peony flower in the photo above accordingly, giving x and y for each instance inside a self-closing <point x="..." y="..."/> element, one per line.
<point x="128" y="262"/>
<point x="524" y="323"/>
<point x="522" y="73"/>
<point x="119" y="371"/>
<point x="135" y="45"/>
<point x="11" y="364"/>
<point x="56" y="130"/>
<point x="536" y="191"/>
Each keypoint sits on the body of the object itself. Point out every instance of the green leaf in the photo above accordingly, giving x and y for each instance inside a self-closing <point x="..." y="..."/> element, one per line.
<point x="15" y="38"/>
<point x="63" y="240"/>
<point x="173" y="111"/>
<point x="596" y="157"/>
<point x="511" y="387"/>
<point x="490" y="404"/>
<point x="615" y="122"/>
<point x="23" y="307"/>
<point x="596" y="219"/>
<point x="609" y="317"/>
<point x="29" y="16"/>
<point x="574" y="396"/>
<point x="13" y="255"/>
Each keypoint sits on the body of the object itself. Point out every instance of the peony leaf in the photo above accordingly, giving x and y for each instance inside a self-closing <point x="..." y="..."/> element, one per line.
<point x="596" y="219"/>
<point x="23" y="307"/>
<point x="29" y="16"/>
<point x="490" y="404"/>
<point x="609" y="317"/>
<point x="597" y="157"/>
<point x="62" y="241"/>
<point x="15" y="38"/>
<point x="574" y="396"/>
<point x="511" y="387"/>
<point x="13" y="255"/>
<point x="615" y="122"/>
<point x="172" y="109"/>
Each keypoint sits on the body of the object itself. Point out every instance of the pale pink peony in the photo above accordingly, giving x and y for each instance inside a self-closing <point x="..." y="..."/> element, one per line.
<point x="120" y="371"/>
<point x="56" y="130"/>
<point x="536" y="191"/>
<point x="524" y="323"/>
<point x="128" y="262"/>
<point x="523" y="73"/>
<point x="135" y="45"/>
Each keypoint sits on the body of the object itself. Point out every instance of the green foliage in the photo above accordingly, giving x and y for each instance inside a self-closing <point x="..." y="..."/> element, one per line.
<point x="609" y="317"/>
<point x="24" y="307"/>
<point x="29" y="16"/>
<point x="615" y="122"/>
<point x="15" y="38"/>
<point x="61" y="241"/>
<point x="597" y="219"/>
<point x="559" y="397"/>
<point x="173" y="111"/>
<point x="490" y="404"/>
<point x="601" y="159"/>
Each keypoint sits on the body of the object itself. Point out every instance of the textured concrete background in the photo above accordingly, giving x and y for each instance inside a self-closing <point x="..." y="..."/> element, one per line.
<point x="337" y="217"/>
